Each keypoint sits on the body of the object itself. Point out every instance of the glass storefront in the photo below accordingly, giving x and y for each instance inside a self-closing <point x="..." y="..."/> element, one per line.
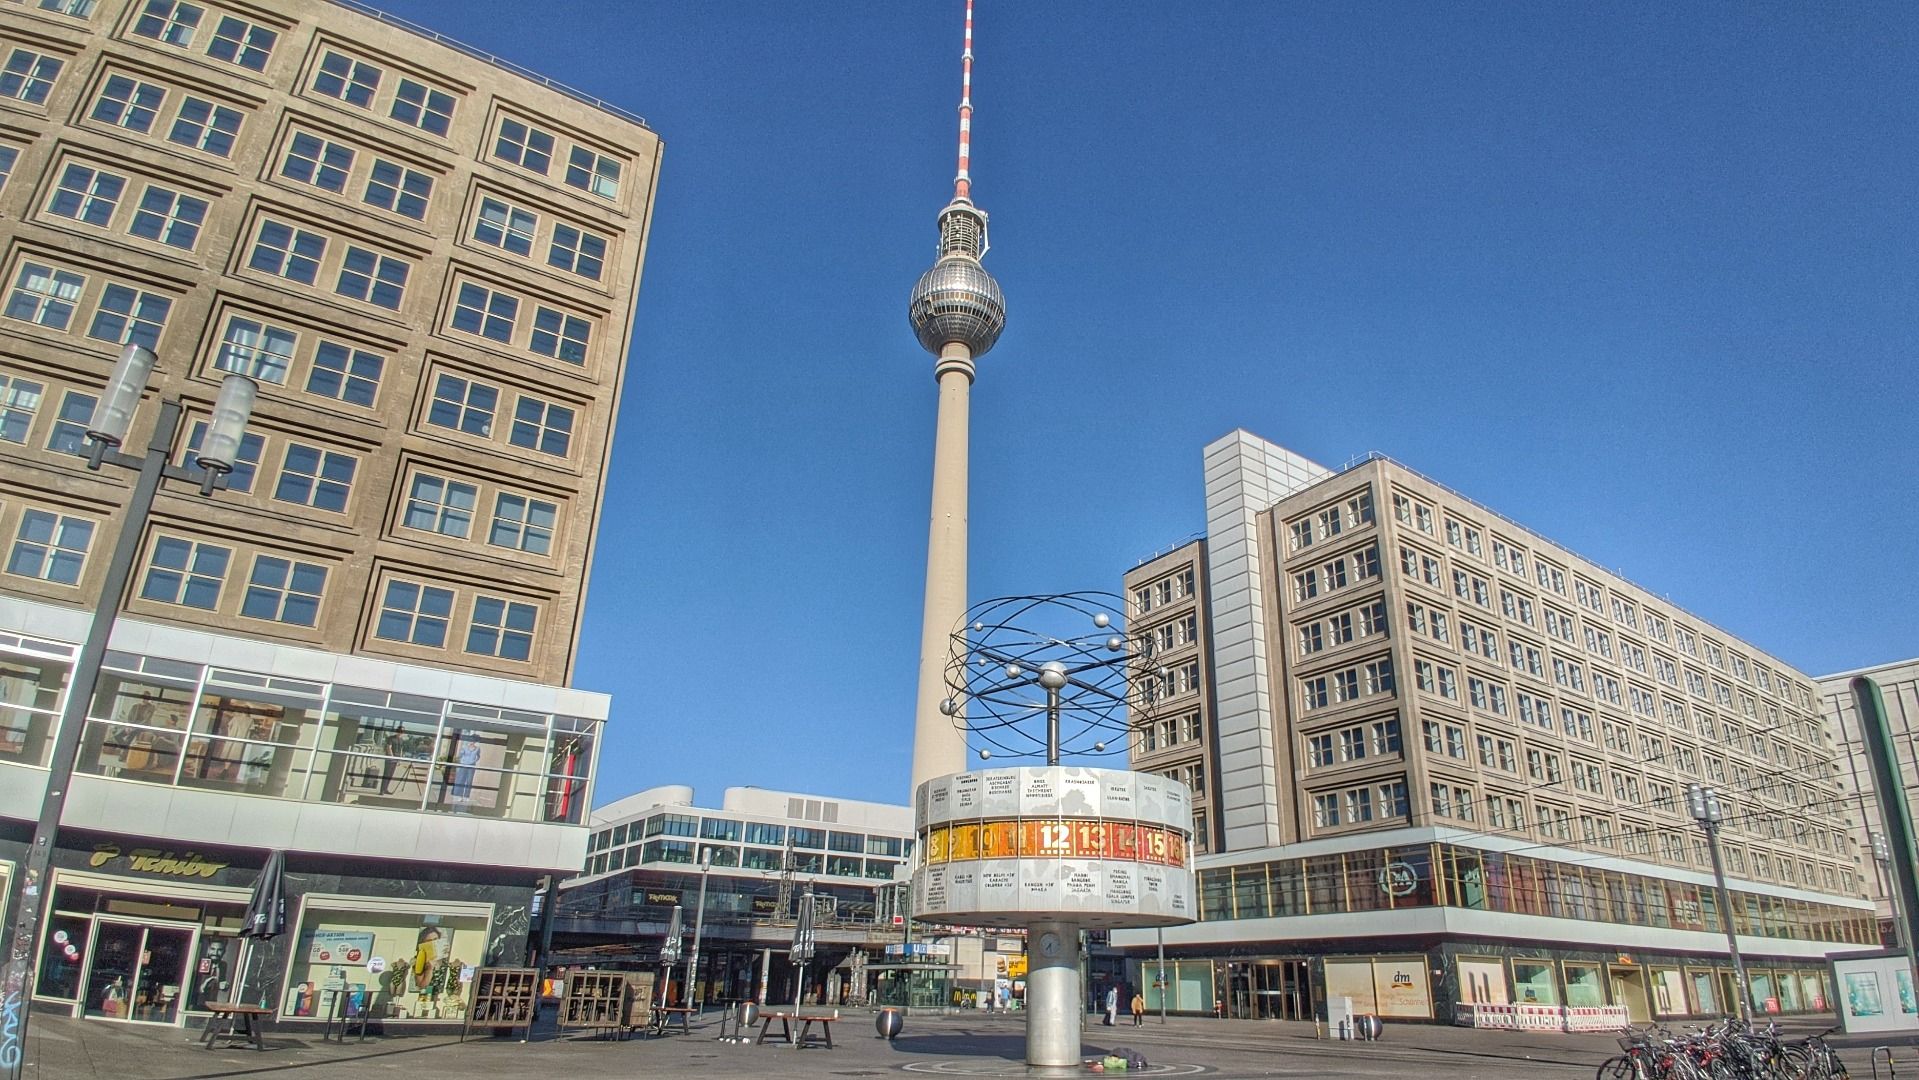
<point x="402" y="960"/>
<point x="1426" y="875"/>
<point x="113" y="951"/>
<point x="167" y="722"/>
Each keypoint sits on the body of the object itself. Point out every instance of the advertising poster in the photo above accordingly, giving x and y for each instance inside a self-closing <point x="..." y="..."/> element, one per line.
<point x="1401" y="988"/>
<point x="352" y="948"/>
<point x="1862" y="994"/>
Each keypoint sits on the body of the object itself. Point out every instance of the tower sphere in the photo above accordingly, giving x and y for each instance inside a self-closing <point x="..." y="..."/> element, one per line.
<point x="957" y="301"/>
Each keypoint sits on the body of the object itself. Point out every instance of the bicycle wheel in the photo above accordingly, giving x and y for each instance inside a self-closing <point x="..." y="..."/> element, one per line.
<point x="1623" y="1067"/>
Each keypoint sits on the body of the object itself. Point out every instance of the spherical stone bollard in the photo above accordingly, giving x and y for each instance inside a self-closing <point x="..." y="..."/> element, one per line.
<point x="888" y="1023"/>
<point x="749" y="1016"/>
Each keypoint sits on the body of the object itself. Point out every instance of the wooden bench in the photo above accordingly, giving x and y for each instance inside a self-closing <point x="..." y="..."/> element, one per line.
<point x="233" y="1021"/>
<point x="806" y="1022"/>
<point x="665" y="1017"/>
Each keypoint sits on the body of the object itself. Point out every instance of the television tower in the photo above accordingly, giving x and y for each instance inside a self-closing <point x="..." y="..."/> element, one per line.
<point x="957" y="313"/>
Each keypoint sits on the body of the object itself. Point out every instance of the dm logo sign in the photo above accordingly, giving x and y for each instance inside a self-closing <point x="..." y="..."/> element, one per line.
<point x="1398" y="879"/>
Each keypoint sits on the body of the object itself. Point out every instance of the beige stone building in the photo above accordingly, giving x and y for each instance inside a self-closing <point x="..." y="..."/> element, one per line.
<point x="1429" y="739"/>
<point x="1899" y="686"/>
<point x="361" y="651"/>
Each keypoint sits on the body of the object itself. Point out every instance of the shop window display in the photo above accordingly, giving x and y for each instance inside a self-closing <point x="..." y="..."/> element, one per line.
<point x="137" y="728"/>
<point x="419" y="953"/>
<point x="1535" y="983"/>
<point x="30" y="700"/>
<point x="1584" y="988"/>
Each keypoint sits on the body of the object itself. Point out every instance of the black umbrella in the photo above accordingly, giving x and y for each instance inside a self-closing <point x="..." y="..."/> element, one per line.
<point x="805" y="941"/>
<point x="266" y="915"/>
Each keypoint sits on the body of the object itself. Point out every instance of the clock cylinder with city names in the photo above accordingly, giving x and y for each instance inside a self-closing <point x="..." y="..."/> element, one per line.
<point x="1103" y="848"/>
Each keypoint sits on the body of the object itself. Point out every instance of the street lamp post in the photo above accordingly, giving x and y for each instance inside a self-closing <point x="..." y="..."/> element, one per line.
<point x="106" y="431"/>
<point x="1706" y="810"/>
<point x="1882" y="854"/>
<point x="699" y="927"/>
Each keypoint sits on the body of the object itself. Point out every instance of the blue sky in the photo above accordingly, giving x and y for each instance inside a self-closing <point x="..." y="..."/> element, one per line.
<point x="1641" y="277"/>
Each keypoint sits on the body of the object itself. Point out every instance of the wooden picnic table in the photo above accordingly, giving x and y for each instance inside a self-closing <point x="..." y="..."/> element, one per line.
<point x="806" y="1022"/>
<point x="233" y="1020"/>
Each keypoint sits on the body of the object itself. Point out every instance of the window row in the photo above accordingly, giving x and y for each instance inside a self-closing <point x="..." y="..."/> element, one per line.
<point x="1360" y="805"/>
<point x="1353" y="512"/>
<point x="1347" y="684"/>
<point x="1172" y="731"/>
<point x="562" y="245"/>
<point x="525" y="144"/>
<point x="205" y="30"/>
<point x="1354" y="742"/>
<point x="107" y="201"/>
<point x="1175" y="586"/>
<point x="410" y="101"/>
<point x="1336" y="573"/>
<point x="1168" y="636"/>
<point x="372" y="178"/>
<point x="1342" y="628"/>
<point x="158" y="110"/>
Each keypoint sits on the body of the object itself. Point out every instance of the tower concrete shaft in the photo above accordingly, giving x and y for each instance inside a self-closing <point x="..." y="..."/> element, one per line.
<point x="939" y="741"/>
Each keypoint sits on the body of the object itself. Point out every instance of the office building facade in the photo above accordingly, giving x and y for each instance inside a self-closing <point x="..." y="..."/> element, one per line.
<point x="1899" y="687"/>
<point x="360" y="650"/>
<point x="1449" y="764"/>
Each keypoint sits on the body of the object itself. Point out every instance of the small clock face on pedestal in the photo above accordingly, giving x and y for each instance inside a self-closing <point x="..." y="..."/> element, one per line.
<point x="1049" y="945"/>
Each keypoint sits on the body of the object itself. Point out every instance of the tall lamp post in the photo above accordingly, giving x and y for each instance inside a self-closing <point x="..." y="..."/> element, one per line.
<point x="699" y="927"/>
<point x="1706" y="810"/>
<point x="106" y="431"/>
<point x="1882" y="854"/>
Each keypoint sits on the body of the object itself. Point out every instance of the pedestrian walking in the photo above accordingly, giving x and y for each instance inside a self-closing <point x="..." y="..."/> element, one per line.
<point x="1112" y="1006"/>
<point x="1139" y="1009"/>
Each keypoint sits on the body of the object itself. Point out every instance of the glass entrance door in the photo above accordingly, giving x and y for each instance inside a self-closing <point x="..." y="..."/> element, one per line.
<point x="1283" y="989"/>
<point x="137" y="972"/>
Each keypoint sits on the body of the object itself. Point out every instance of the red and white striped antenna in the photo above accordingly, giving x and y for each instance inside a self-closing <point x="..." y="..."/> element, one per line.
<point x="963" y="183"/>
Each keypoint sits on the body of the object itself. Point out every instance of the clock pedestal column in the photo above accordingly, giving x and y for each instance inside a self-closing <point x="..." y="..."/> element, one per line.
<point x="1055" y="1000"/>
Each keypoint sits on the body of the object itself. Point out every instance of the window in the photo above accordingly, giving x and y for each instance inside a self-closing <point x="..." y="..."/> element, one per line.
<point x="423" y="107"/>
<point x="87" y="195"/>
<point x="8" y="157"/>
<point x="522" y="523"/>
<point x="378" y="279"/>
<point x="414" y="613"/>
<point x="246" y="463"/>
<point x="435" y="504"/>
<point x="316" y="478"/>
<point x="287" y="252"/>
<point x="500" y="628"/>
<point x="240" y="42"/>
<point x="1326" y="809"/>
<point x="320" y="162"/>
<point x="45" y="296"/>
<point x="525" y="146"/>
<point x="559" y="335"/>
<point x="69" y="435"/>
<point x="506" y="227"/>
<point x="284" y="590"/>
<point x="169" y="217"/>
<point x="28" y="76"/>
<point x="352" y="81"/>
<point x="256" y="350"/>
<point x="186" y="573"/>
<point x="127" y="314"/>
<point x="171" y="22"/>
<point x="591" y="172"/>
<point x="345" y="374"/>
<point x="486" y="312"/>
<point x="542" y="425"/>
<point x="129" y="103"/>
<point x="578" y="252"/>
<point x="399" y="189"/>
<point x="463" y="405"/>
<point x="51" y="547"/>
<point x="19" y="401"/>
<point x="1300" y="535"/>
<point x="204" y="126"/>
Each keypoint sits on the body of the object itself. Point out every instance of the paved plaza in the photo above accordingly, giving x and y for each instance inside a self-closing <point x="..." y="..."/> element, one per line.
<point x="62" y="1049"/>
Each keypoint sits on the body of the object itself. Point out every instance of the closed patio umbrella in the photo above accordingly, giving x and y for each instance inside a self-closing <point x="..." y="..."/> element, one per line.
<point x="805" y="942"/>
<point x="266" y="914"/>
<point x="670" y="953"/>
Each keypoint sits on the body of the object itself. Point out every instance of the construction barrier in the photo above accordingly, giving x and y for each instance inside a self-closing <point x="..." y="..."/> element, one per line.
<point x="1540" y="1017"/>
